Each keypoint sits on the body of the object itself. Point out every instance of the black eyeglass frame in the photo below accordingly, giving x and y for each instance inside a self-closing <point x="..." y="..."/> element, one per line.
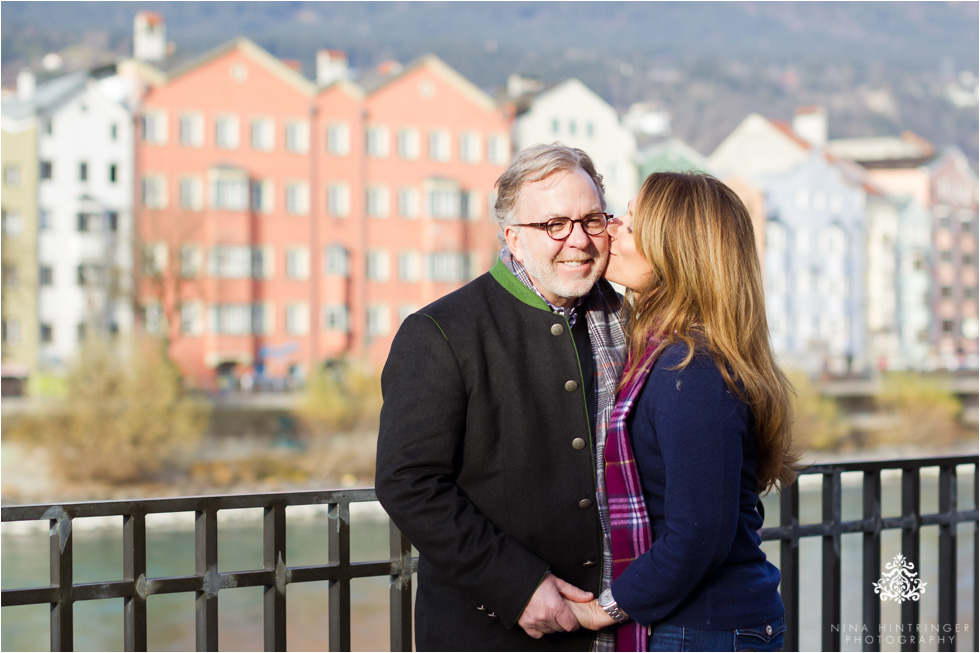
<point x="550" y="224"/>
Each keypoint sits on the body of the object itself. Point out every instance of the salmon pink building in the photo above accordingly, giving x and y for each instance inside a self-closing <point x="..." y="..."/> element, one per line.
<point x="285" y="223"/>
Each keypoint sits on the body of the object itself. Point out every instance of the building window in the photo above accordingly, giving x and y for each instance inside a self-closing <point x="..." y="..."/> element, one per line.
<point x="226" y="132"/>
<point x="155" y="127"/>
<point x="946" y="292"/>
<point x="948" y="327"/>
<point x="112" y="221"/>
<point x="12" y="224"/>
<point x="408" y="143"/>
<point x="946" y="256"/>
<point x="338" y="139"/>
<point x="263" y="134"/>
<point x="237" y="262"/>
<point x="113" y="173"/>
<point x="263" y="196"/>
<point x="44" y="220"/>
<point x="408" y="203"/>
<point x="297" y="136"/>
<point x="572" y="127"/>
<point x="11" y="175"/>
<point x="113" y="132"/>
<point x="555" y="126"/>
<point x="229" y="192"/>
<point x="439" y="145"/>
<point x="469" y="147"/>
<point x="297" y="319"/>
<point x="82" y="171"/>
<point x="377" y="142"/>
<point x="409" y="267"/>
<point x="45" y="275"/>
<point x="802" y="198"/>
<point x="154" y="192"/>
<point x="338" y="200"/>
<point x="497" y="149"/>
<point x="336" y="261"/>
<point x="47" y="333"/>
<point x="190" y="261"/>
<point x="470" y="205"/>
<point x="89" y="222"/>
<point x="297" y="263"/>
<point x="448" y="267"/>
<point x="590" y="129"/>
<point x="377" y="201"/>
<point x="11" y="331"/>
<point x="11" y="276"/>
<point x="90" y="274"/>
<point x="191" y="193"/>
<point x="47" y="170"/>
<point x="190" y="128"/>
<point x="297" y="198"/>
<point x="378" y="320"/>
<point x="190" y="318"/>
<point x="237" y="319"/>
<point x="336" y="317"/>
<point x="377" y="265"/>
<point x="443" y="200"/>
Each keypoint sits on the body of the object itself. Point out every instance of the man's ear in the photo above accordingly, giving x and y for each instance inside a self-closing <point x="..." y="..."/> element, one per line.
<point x="513" y="242"/>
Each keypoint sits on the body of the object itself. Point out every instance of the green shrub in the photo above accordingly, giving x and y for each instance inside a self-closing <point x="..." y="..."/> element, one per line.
<point x="818" y="423"/>
<point x="124" y="416"/>
<point x="923" y="408"/>
<point x="342" y="397"/>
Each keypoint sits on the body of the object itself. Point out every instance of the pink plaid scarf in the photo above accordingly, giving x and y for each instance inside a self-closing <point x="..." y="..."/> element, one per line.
<point x="629" y="522"/>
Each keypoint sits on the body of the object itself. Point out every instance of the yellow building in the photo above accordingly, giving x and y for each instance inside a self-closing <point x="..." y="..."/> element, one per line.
<point x="19" y="246"/>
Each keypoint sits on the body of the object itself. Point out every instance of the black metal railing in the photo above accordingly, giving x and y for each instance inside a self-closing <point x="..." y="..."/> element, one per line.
<point x="872" y="523"/>
<point x="207" y="581"/>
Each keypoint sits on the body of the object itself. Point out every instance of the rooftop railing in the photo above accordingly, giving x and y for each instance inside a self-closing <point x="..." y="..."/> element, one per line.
<point x="207" y="582"/>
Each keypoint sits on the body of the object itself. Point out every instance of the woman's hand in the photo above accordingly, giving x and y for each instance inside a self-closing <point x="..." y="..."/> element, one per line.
<point x="590" y="615"/>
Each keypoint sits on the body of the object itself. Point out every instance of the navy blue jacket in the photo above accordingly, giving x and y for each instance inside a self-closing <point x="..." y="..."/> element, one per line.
<point x="695" y="449"/>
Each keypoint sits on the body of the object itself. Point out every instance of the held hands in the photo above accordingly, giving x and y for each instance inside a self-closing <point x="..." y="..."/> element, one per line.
<point x="549" y="609"/>
<point x="590" y="615"/>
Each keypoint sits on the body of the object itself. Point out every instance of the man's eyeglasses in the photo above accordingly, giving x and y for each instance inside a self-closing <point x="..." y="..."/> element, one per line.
<point x="561" y="228"/>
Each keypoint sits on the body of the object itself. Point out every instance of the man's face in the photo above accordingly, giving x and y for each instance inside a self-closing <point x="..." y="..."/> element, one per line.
<point x="561" y="270"/>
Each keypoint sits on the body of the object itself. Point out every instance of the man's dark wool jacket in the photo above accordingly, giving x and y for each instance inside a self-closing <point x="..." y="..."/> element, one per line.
<point x="486" y="461"/>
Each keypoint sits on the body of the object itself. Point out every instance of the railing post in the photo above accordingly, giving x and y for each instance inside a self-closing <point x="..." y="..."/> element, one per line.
<point x="911" y="491"/>
<point x="947" y="558"/>
<point x="274" y="560"/>
<point x="338" y="554"/>
<point x="60" y="550"/>
<point x="831" y="593"/>
<point x="871" y="564"/>
<point x="134" y="569"/>
<point x="206" y="567"/>
<point x="789" y="564"/>
<point x="400" y="593"/>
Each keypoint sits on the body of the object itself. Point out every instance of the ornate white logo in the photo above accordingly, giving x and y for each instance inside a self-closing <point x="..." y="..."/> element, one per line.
<point x="899" y="583"/>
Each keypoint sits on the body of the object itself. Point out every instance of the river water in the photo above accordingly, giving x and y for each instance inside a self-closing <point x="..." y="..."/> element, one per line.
<point x="170" y="551"/>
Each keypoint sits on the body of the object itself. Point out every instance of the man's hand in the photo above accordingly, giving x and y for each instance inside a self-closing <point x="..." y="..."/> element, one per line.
<point x="590" y="615"/>
<point x="548" y="612"/>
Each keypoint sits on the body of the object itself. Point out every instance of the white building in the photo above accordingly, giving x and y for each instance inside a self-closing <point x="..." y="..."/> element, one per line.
<point x="85" y="148"/>
<point x="572" y="114"/>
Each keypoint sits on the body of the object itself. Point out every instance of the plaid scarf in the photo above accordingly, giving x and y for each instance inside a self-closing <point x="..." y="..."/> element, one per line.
<point x="630" y="531"/>
<point x="602" y="308"/>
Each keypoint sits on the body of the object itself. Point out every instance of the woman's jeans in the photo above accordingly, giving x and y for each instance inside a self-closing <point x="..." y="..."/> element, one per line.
<point x="763" y="637"/>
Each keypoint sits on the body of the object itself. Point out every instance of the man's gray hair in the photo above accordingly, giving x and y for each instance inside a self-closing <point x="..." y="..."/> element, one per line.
<point x="535" y="163"/>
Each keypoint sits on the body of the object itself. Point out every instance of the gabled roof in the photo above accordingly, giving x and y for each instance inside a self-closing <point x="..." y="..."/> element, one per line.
<point x="255" y="53"/>
<point x="444" y="70"/>
<point x="47" y="95"/>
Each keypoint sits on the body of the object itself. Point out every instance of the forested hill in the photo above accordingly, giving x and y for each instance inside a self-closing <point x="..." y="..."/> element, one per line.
<point x="880" y="67"/>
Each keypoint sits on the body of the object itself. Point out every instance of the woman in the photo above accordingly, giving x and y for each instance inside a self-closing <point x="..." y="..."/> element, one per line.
<point x="707" y="413"/>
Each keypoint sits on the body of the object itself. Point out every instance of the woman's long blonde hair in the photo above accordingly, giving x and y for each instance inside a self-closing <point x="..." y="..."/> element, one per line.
<point x="706" y="287"/>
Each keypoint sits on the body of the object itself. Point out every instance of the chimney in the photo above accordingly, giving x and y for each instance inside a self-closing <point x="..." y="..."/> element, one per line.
<point x="331" y="66"/>
<point x="149" y="37"/>
<point x="810" y="124"/>
<point x="25" y="84"/>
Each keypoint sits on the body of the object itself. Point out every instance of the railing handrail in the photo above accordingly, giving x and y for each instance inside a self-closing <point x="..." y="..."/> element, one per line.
<point x="207" y="581"/>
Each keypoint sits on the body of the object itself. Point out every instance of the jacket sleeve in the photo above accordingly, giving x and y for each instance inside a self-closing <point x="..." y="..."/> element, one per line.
<point x="422" y="433"/>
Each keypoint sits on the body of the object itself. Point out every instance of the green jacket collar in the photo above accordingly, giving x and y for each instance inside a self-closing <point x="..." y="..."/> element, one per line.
<point x="514" y="286"/>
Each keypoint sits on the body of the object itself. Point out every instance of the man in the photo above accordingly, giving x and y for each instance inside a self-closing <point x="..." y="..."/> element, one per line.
<point x="496" y="400"/>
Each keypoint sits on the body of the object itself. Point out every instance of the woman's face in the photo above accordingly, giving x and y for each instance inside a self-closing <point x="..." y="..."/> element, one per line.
<point x="627" y="266"/>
